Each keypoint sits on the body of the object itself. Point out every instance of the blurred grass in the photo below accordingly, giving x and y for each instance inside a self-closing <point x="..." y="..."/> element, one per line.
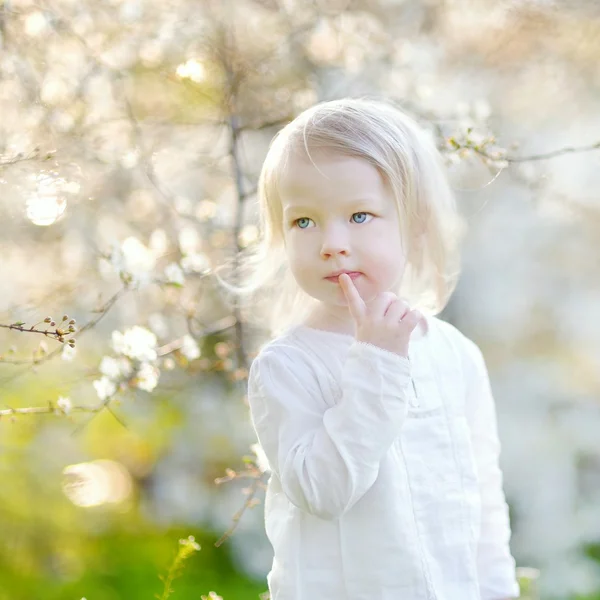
<point x="127" y="566"/>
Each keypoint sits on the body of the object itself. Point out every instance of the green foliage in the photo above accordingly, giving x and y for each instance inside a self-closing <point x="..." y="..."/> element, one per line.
<point x="595" y="596"/>
<point x="593" y="551"/>
<point x="126" y="566"/>
<point x="186" y="548"/>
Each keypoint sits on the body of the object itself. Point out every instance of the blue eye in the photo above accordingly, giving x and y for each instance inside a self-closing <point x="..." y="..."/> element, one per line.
<point x="298" y="222"/>
<point x="359" y="213"/>
<point x="301" y="219"/>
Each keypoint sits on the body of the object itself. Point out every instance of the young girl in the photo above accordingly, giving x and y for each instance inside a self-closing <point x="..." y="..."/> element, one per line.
<point x="376" y="417"/>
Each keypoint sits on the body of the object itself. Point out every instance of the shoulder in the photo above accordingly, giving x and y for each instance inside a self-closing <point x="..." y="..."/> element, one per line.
<point x="283" y="357"/>
<point x="469" y="361"/>
<point x="285" y="347"/>
<point x="284" y="376"/>
<point x="448" y="335"/>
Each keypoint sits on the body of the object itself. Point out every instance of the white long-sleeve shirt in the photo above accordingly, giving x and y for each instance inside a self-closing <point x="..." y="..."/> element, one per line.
<point x="385" y="482"/>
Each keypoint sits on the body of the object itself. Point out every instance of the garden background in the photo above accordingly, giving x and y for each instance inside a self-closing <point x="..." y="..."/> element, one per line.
<point x="131" y="137"/>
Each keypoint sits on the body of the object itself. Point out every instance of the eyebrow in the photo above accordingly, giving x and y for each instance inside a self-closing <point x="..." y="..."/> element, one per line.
<point x="298" y="208"/>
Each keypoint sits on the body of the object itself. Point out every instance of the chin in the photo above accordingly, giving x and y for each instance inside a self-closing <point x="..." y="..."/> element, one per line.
<point x="335" y="296"/>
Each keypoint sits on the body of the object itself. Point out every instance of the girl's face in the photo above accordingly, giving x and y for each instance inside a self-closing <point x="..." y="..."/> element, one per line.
<point x="340" y="217"/>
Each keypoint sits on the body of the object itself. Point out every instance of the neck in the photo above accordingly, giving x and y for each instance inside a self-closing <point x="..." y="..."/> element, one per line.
<point x="341" y="321"/>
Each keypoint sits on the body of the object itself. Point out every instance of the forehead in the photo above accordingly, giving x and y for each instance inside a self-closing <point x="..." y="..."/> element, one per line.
<point x="331" y="177"/>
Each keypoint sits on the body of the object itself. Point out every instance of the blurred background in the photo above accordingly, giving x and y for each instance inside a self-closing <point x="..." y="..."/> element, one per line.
<point x="131" y="137"/>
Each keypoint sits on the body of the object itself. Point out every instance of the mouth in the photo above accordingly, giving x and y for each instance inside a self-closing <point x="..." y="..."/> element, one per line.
<point x="352" y="274"/>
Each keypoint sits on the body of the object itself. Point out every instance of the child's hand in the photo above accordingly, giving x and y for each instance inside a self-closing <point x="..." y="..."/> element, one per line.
<point x="387" y="322"/>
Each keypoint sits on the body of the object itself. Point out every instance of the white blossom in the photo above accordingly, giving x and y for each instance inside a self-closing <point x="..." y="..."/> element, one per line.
<point x="64" y="404"/>
<point x="36" y="24"/>
<point x="189" y="240"/>
<point x="158" y="324"/>
<point x="189" y="347"/>
<point x="134" y="258"/>
<point x="192" y="69"/>
<point x="137" y="342"/>
<point x="147" y="377"/>
<point x="159" y="242"/>
<point x="105" y="387"/>
<point x="195" y="263"/>
<point x="68" y="352"/>
<point x="115" y="368"/>
<point x="174" y="274"/>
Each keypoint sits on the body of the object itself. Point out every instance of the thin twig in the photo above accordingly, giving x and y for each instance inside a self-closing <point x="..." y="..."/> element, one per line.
<point x="552" y="154"/>
<point x="58" y="334"/>
<point x="250" y="503"/>
<point x="90" y="325"/>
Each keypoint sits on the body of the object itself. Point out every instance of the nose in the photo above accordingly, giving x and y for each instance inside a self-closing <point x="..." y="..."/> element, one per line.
<point x="335" y="241"/>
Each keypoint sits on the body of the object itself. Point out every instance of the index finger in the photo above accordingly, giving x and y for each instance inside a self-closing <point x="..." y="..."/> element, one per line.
<point x="356" y="304"/>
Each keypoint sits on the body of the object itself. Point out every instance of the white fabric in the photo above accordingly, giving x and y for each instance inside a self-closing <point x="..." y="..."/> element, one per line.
<point x="385" y="482"/>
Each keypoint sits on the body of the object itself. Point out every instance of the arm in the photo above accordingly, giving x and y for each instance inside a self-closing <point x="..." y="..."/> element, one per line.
<point x="495" y="564"/>
<point x="327" y="458"/>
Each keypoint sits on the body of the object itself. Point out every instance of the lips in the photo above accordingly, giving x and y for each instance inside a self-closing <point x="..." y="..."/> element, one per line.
<point x="352" y="274"/>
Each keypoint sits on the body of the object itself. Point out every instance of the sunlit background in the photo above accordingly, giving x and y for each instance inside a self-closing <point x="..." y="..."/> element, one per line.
<point x="131" y="137"/>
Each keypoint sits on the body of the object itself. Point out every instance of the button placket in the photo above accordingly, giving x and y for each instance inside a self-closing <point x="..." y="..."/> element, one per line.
<point x="414" y="398"/>
<point x="427" y="395"/>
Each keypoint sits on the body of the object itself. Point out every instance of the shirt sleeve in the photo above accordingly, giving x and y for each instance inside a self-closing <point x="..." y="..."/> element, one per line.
<point x="495" y="564"/>
<point x="327" y="457"/>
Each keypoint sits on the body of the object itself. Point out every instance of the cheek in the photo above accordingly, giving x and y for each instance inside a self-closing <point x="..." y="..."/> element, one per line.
<point x="296" y="255"/>
<point x="297" y="259"/>
<point x="384" y="256"/>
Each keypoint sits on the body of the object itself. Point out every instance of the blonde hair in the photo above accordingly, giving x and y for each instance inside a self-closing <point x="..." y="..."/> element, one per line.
<point x="409" y="162"/>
